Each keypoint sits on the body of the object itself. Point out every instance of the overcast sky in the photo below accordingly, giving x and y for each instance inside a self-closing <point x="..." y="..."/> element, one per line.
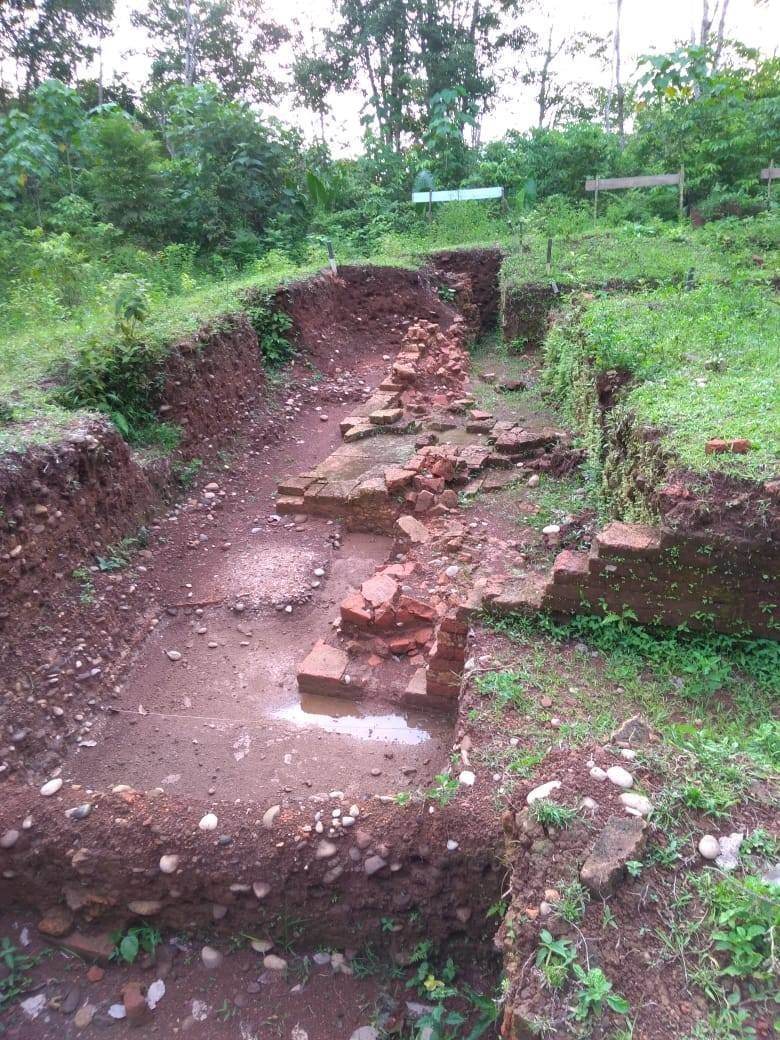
<point x="647" y="25"/>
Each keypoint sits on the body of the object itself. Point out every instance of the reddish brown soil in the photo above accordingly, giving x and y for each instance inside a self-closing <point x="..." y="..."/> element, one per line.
<point x="240" y="999"/>
<point x="200" y="727"/>
<point x="716" y="504"/>
<point x="361" y="311"/>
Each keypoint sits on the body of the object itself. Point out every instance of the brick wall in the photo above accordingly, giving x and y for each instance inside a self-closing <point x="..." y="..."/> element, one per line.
<point x="671" y="578"/>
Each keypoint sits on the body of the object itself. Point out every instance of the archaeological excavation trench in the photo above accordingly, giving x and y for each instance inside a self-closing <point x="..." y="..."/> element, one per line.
<point x="255" y="705"/>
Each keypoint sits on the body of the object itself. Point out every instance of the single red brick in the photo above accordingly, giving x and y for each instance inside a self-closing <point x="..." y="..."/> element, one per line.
<point x="417" y="608"/>
<point x="355" y="612"/>
<point x="322" y="669"/>
<point x="716" y="446"/>
<point x="379" y="590"/>
<point x="397" y="478"/>
<point x="135" y="1003"/>
<point x="570" y="567"/>
<point x="384" y="616"/>
<point x="401" y="644"/>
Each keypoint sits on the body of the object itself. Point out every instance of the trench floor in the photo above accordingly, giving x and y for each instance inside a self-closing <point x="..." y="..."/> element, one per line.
<point x="240" y="597"/>
<point x="238" y="1000"/>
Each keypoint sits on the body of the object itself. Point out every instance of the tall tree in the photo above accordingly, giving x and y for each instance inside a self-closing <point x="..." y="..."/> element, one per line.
<point x="47" y="39"/>
<point x="558" y="98"/>
<point x="709" y="37"/>
<point x="221" y="41"/>
<point x="460" y="45"/>
<point x="403" y="53"/>
<point x="616" y="93"/>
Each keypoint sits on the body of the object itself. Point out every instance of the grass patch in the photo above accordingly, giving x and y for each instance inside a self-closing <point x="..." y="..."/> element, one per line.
<point x="559" y="500"/>
<point x="648" y="254"/>
<point x="551" y="814"/>
<point x="700" y="664"/>
<point x="702" y="364"/>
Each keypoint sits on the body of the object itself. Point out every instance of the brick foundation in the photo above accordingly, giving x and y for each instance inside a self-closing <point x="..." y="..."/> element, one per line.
<point x="671" y="578"/>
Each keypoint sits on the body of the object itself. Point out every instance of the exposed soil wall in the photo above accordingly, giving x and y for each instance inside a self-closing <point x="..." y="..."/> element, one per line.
<point x="336" y="317"/>
<point x="58" y="501"/>
<point x="210" y="383"/>
<point x="482" y="267"/>
<point x="525" y="312"/>
<point x="393" y="862"/>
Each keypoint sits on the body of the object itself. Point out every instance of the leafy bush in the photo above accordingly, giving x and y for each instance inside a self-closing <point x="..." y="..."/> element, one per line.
<point x="746" y="919"/>
<point x="122" y="379"/>
<point x="272" y="326"/>
<point x="595" y="994"/>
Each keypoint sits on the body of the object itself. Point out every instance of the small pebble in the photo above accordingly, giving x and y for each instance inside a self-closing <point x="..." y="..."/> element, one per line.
<point x="709" y="846"/>
<point x="208" y="822"/>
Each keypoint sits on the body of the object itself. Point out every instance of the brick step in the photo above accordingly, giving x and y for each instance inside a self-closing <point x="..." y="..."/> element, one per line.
<point x="628" y="541"/>
<point x="289" y="504"/>
<point x="325" y="671"/>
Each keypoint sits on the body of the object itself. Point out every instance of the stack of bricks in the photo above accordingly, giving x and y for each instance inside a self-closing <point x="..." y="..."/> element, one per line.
<point x="400" y="622"/>
<point x="671" y="578"/>
<point x="446" y="661"/>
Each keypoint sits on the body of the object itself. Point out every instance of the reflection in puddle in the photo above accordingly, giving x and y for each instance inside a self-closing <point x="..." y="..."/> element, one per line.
<point x="335" y="715"/>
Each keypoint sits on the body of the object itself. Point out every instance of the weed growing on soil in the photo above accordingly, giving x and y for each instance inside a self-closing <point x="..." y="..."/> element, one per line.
<point x="186" y="472"/>
<point x="724" y="931"/>
<point x="595" y="994"/>
<point x="551" y="814"/>
<point x="140" y="938"/>
<point x="14" y="980"/>
<point x="83" y="576"/>
<point x="445" y="788"/>
<point x="505" y="688"/>
<point x="559" y="500"/>
<point x="119" y="555"/>
<point x="574" y="898"/>
<point x="437" y="985"/>
<point x="554" y="959"/>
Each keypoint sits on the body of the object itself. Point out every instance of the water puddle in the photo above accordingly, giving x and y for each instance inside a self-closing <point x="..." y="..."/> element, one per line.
<point x="335" y="715"/>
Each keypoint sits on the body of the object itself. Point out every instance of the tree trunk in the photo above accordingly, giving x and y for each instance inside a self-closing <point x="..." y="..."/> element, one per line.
<point x="619" y="93"/>
<point x="189" y="44"/>
<point x="544" y="77"/>
<point x="720" y="34"/>
<point x="706" y="23"/>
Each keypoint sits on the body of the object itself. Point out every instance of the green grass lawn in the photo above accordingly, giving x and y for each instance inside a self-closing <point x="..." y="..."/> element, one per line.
<point x="655" y="254"/>
<point x="704" y="363"/>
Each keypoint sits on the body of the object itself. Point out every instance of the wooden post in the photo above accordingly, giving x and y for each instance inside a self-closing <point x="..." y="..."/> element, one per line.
<point x="430" y="204"/>
<point x="682" y="190"/>
<point x="596" y="202"/>
<point x="549" y="255"/>
<point x="769" y="185"/>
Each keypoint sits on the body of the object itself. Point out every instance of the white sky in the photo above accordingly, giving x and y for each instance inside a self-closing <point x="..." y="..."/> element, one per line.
<point x="646" y="26"/>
